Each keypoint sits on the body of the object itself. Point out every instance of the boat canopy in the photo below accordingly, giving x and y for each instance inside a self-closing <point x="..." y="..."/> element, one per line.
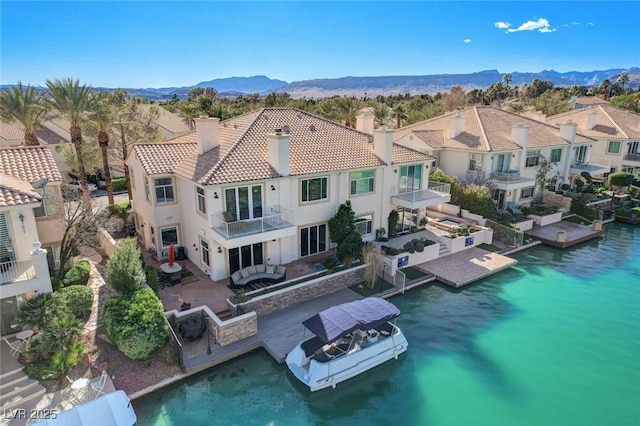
<point x="338" y="321"/>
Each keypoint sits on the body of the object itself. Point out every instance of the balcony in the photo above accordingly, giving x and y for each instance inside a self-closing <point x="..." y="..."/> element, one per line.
<point x="437" y="193"/>
<point x="511" y="180"/>
<point x="631" y="159"/>
<point x="278" y="223"/>
<point x="595" y="166"/>
<point x="16" y="270"/>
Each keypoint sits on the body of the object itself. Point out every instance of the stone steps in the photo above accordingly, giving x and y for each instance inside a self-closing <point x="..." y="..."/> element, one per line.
<point x="224" y="315"/>
<point x="16" y="389"/>
<point x="443" y="250"/>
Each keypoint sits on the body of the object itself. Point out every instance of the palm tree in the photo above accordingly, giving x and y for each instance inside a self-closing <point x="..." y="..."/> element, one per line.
<point x="26" y="106"/>
<point x="398" y="112"/>
<point x="507" y="79"/>
<point x="623" y="79"/>
<point x="380" y="113"/>
<point x="346" y="109"/>
<point x="73" y="101"/>
<point x="189" y="112"/>
<point x="102" y="117"/>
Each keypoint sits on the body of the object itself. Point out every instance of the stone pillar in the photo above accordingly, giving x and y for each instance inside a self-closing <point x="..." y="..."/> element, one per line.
<point x="561" y="238"/>
<point x="597" y="225"/>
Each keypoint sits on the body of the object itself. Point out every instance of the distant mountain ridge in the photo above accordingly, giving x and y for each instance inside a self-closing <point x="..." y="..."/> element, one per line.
<point x="384" y="85"/>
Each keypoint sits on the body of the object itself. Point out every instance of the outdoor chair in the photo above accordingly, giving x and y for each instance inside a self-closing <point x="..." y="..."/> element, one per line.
<point x="511" y="206"/>
<point x="16" y="346"/>
<point x="98" y="386"/>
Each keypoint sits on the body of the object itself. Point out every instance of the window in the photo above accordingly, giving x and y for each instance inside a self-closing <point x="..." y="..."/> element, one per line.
<point x="475" y="162"/>
<point x="362" y="182"/>
<point x="200" y="201"/>
<point x="533" y="158"/>
<point x="169" y="236"/>
<point x="527" y="193"/>
<point x="556" y="155"/>
<point x="634" y="147"/>
<point x="580" y="154"/>
<point x="164" y="190"/>
<point x="314" y="189"/>
<point x="244" y="202"/>
<point x="614" y="147"/>
<point x="313" y="239"/>
<point x="628" y="169"/>
<point x="49" y="206"/>
<point x="410" y="178"/>
<point x="146" y="189"/>
<point x="611" y="170"/>
<point x="364" y="224"/>
<point x="204" y="252"/>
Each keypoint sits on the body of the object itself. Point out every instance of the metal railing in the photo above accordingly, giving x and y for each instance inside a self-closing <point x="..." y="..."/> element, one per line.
<point x="443" y="188"/>
<point x="399" y="280"/>
<point x="510" y="176"/>
<point x="16" y="270"/>
<point x="594" y="163"/>
<point x="632" y="157"/>
<point x="277" y="218"/>
<point x="435" y="190"/>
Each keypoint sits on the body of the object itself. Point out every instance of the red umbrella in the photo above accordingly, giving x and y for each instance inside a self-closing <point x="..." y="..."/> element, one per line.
<point x="172" y="255"/>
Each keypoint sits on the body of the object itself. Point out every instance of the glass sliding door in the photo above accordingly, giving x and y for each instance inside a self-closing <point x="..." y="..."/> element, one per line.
<point x="410" y="178"/>
<point x="407" y="219"/>
<point x="244" y="256"/>
<point x="313" y="239"/>
<point x="580" y="154"/>
<point x="501" y="163"/>
<point x="244" y="202"/>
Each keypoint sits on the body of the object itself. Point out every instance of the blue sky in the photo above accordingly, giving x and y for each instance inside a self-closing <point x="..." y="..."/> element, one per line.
<point x="166" y="44"/>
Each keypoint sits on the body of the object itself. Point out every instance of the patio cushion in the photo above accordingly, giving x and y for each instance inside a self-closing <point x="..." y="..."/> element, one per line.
<point x="251" y="270"/>
<point x="280" y="269"/>
<point x="236" y="276"/>
<point x="245" y="273"/>
<point x="260" y="268"/>
<point x="271" y="269"/>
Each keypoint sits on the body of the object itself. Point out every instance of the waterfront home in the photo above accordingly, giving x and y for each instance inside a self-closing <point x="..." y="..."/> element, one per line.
<point x="489" y="145"/>
<point x="31" y="210"/>
<point x="260" y="188"/>
<point x="617" y="135"/>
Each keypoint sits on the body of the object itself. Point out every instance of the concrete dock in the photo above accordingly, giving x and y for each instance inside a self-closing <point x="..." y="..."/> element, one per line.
<point x="564" y="234"/>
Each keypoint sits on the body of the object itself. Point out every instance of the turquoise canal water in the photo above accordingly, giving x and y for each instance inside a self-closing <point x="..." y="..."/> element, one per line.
<point x="552" y="341"/>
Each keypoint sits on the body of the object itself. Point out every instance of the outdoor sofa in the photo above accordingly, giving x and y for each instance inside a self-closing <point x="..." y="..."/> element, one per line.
<point x="258" y="273"/>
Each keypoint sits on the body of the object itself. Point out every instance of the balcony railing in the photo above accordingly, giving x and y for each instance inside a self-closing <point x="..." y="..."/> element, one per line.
<point x="16" y="270"/>
<point x="594" y="165"/>
<point x="436" y="190"/>
<point x="277" y="218"/>
<point x="512" y="176"/>
<point x="632" y="157"/>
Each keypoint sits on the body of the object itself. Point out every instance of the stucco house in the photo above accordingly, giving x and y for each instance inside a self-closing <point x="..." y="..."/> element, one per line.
<point x="617" y="135"/>
<point x="261" y="187"/>
<point x="489" y="145"/>
<point x="30" y="211"/>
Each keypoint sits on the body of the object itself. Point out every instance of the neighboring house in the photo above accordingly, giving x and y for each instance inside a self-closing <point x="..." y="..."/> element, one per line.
<point x="617" y="132"/>
<point x="35" y="165"/>
<point x="170" y="125"/>
<point x="261" y="187"/>
<point x="27" y="215"/>
<point x="581" y="102"/>
<point x="496" y="147"/>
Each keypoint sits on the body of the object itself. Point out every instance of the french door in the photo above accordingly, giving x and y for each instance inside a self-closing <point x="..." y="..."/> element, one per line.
<point x="580" y="154"/>
<point x="501" y="163"/>
<point x="244" y="202"/>
<point x="410" y="178"/>
<point x="244" y="256"/>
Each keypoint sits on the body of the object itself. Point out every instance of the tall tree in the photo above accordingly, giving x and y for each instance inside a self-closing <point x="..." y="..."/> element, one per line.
<point x="380" y="113"/>
<point x="623" y="79"/>
<point x="26" y="106"/>
<point x="399" y="113"/>
<point x="102" y="117"/>
<point x="73" y="101"/>
<point x="189" y="111"/>
<point x="507" y="79"/>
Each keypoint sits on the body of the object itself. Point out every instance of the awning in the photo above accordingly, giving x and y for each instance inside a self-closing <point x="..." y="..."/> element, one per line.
<point x="338" y="321"/>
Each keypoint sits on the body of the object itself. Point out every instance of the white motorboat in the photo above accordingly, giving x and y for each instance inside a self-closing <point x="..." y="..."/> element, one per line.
<point x="349" y="339"/>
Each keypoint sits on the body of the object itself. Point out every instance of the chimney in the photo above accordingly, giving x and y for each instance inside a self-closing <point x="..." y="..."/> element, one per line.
<point x="364" y="122"/>
<point x="520" y="134"/>
<point x="278" y="151"/>
<point x="383" y="145"/>
<point x="456" y="125"/>
<point x="538" y="116"/>
<point x="592" y="119"/>
<point x="208" y="132"/>
<point x="568" y="131"/>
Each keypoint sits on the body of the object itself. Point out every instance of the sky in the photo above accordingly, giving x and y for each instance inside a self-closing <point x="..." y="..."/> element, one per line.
<point x="137" y="44"/>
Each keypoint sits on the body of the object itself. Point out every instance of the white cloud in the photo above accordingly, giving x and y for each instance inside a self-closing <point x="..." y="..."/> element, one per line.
<point x="467" y="40"/>
<point x="591" y="24"/>
<point x="541" y="25"/>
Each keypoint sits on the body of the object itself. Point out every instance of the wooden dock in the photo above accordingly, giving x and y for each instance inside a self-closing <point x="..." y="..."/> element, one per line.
<point x="564" y="233"/>
<point x="464" y="267"/>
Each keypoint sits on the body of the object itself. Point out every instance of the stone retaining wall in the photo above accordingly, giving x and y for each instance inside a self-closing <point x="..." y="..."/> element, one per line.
<point x="290" y="296"/>
<point x="107" y="242"/>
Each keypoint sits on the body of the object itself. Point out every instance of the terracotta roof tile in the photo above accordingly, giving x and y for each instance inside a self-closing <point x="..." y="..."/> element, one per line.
<point x="49" y="137"/>
<point x="161" y="158"/>
<point x="402" y="154"/>
<point x="613" y="122"/>
<point x="15" y="192"/>
<point x="29" y="163"/>
<point x="11" y="131"/>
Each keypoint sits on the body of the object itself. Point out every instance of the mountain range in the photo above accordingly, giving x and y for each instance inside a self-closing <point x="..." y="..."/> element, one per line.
<point x="386" y="85"/>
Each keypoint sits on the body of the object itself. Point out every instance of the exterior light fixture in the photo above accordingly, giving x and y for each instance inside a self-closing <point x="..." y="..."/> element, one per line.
<point x="219" y="250"/>
<point x="215" y="195"/>
<point x="273" y="188"/>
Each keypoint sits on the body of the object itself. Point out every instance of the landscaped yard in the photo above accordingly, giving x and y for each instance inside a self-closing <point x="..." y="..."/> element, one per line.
<point x="413" y="273"/>
<point x="363" y="289"/>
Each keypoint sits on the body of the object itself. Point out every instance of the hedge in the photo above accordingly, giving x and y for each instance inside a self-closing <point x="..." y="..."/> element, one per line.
<point x="77" y="299"/>
<point x="135" y="323"/>
<point x="152" y="277"/>
<point x="119" y="184"/>
<point x="78" y="274"/>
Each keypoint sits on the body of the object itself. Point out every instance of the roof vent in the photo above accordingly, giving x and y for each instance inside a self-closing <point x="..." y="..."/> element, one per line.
<point x="235" y="126"/>
<point x="312" y="128"/>
<point x="299" y="116"/>
<point x="286" y="129"/>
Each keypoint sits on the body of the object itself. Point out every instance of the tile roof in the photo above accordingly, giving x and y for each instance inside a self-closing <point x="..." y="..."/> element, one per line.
<point x="613" y="122"/>
<point x="29" y="163"/>
<point x="11" y="131"/>
<point x="161" y="158"/>
<point x="167" y="120"/>
<point x="15" y="192"/>
<point x="49" y="137"/>
<point x="486" y="129"/>
<point x="402" y="154"/>
<point x="317" y="145"/>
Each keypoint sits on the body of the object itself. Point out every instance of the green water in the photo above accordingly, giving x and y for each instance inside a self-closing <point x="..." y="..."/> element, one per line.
<point x="552" y="341"/>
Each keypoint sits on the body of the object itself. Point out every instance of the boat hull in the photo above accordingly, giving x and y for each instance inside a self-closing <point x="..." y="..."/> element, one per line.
<point x="319" y="375"/>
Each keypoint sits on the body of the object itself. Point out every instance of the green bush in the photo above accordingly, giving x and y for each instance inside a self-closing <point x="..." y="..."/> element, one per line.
<point x="409" y="246"/>
<point x="76" y="299"/>
<point x="135" y="323"/>
<point x="152" y="277"/>
<point x="330" y="263"/>
<point x="119" y="184"/>
<point x="124" y="270"/>
<point x="350" y="247"/>
<point x="118" y="210"/>
<point x="79" y="274"/>
<point x="418" y="246"/>
<point x="56" y="283"/>
<point x="37" y="311"/>
<point x="238" y="298"/>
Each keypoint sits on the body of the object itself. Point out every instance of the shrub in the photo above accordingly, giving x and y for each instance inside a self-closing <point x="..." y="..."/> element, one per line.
<point x="119" y="184"/>
<point x="408" y="246"/>
<point x="350" y="247"/>
<point x="76" y="299"/>
<point x="78" y="274"/>
<point x="135" y="323"/>
<point x="392" y="220"/>
<point x="118" y="210"/>
<point x="330" y="263"/>
<point x="342" y="224"/>
<point x="238" y="298"/>
<point x="124" y="270"/>
<point x="56" y="283"/>
<point x="37" y="311"/>
<point x="418" y="246"/>
<point x="152" y="277"/>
